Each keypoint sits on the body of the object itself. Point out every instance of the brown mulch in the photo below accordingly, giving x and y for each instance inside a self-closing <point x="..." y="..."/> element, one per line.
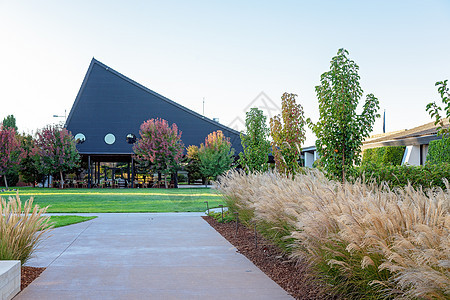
<point x="291" y="276"/>
<point x="29" y="274"/>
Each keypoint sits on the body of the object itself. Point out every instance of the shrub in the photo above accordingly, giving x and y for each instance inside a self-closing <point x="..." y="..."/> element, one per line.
<point x="21" y="229"/>
<point x="439" y="151"/>
<point x="383" y="155"/>
<point x="426" y="176"/>
<point x="364" y="241"/>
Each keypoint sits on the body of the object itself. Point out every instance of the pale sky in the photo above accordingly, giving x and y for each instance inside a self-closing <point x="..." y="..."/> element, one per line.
<point x="227" y="52"/>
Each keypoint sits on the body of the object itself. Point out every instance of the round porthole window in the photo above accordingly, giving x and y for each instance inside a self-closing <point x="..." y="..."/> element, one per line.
<point x="79" y="138"/>
<point x="110" y="138"/>
<point x="131" y="138"/>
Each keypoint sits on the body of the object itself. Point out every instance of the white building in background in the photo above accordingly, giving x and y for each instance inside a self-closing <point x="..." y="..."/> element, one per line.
<point x="416" y="141"/>
<point x="310" y="155"/>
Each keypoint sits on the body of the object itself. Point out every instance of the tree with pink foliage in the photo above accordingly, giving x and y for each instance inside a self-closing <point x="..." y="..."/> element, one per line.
<point x="57" y="149"/>
<point x="160" y="146"/>
<point x="10" y="151"/>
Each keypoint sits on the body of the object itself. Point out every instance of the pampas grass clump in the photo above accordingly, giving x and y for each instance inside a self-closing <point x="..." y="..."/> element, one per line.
<point x="364" y="241"/>
<point x="21" y="228"/>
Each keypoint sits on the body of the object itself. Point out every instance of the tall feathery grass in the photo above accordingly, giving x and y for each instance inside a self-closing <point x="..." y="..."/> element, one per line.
<point x="363" y="241"/>
<point x="21" y="228"/>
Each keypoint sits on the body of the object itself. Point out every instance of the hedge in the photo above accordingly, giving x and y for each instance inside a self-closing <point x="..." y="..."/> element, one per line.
<point x="383" y="155"/>
<point x="439" y="151"/>
<point x="429" y="175"/>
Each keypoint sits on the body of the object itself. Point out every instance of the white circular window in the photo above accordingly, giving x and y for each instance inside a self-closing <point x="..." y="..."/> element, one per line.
<point x="110" y="138"/>
<point x="80" y="138"/>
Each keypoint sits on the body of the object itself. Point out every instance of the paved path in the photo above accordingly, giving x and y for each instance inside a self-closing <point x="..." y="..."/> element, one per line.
<point x="145" y="256"/>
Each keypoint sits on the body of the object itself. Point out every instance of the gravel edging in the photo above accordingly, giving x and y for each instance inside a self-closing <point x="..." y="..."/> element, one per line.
<point x="293" y="277"/>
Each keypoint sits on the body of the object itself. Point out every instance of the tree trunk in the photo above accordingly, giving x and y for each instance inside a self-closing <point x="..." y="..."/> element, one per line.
<point x="61" y="186"/>
<point x="175" y="180"/>
<point x="6" y="182"/>
<point x="165" y="180"/>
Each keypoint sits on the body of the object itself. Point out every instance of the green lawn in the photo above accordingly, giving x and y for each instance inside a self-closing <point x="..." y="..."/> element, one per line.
<point x="120" y="200"/>
<point x="60" y="221"/>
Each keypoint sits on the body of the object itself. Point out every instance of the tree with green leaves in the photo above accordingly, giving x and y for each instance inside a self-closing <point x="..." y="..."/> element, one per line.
<point x="57" y="150"/>
<point x="160" y="145"/>
<point x="216" y="155"/>
<point x="340" y="131"/>
<point x="435" y="111"/>
<point x="193" y="163"/>
<point x="288" y="134"/>
<point x="31" y="168"/>
<point x="10" y="122"/>
<point x="255" y="142"/>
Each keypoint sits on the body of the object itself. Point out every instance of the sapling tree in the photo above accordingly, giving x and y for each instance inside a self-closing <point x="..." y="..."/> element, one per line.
<point x="435" y="111"/>
<point x="340" y="131"/>
<point x="57" y="150"/>
<point x="193" y="163"/>
<point x="288" y="134"/>
<point x="216" y="155"/>
<point x="160" y="145"/>
<point x="255" y="142"/>
<point x="10" y="151"/>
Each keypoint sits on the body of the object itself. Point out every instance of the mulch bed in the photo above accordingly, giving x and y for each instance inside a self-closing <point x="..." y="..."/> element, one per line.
<point x="291" y="276"/>
<point x="29" y="274"/>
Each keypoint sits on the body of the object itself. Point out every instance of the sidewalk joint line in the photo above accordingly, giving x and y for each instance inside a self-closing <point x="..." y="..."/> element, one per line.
<point x="90" y="223"/>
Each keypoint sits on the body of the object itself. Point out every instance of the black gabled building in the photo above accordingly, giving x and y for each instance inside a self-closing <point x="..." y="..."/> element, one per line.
<point x="111" y="107"/>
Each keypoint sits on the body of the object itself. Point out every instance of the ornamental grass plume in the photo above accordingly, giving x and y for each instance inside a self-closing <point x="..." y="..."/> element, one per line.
<point x="21" y="228"/>
<point x="363" y="240"/>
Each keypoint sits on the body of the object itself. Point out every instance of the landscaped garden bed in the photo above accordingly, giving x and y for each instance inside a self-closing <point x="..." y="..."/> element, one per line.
<point x="359" y="241"/>
<point x="290" y="275"/>
<point x="28" y="275"/>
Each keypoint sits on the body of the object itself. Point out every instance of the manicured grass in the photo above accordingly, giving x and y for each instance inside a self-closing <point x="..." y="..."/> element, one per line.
<point x="60" y="221"/>
<point x="120" y="200"/>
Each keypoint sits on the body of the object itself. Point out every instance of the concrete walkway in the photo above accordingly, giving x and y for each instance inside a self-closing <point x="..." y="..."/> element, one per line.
<point x="145" y="256"/>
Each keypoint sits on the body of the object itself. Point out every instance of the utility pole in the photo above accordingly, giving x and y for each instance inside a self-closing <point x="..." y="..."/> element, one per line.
<point x="203" y="106"/>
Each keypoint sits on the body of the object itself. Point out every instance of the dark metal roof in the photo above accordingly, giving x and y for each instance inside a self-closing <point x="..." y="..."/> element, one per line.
<point x="109" y="102"/>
